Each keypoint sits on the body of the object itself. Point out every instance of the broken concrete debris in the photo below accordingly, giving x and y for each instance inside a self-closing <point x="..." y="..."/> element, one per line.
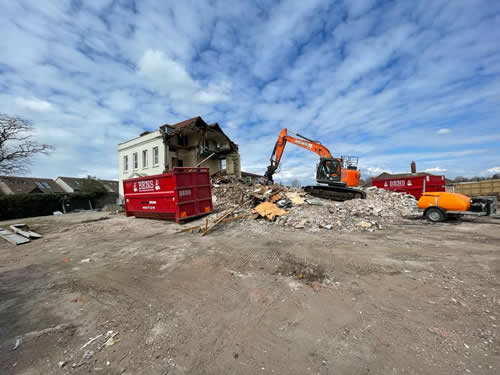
<point x="18" y="234"/>
<point x="25" y="231"/>
<point x="294" y="208"/>
<point x="13" y="238"/>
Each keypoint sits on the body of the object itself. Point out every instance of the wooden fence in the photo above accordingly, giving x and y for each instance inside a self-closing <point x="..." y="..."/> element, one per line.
<point x="476" y="188"/>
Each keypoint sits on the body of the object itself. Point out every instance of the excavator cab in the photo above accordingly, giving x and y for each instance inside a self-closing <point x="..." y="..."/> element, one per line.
<point x="329" y="171"/>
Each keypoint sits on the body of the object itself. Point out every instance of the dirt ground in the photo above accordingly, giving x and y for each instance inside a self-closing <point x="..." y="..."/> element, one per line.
<point x="251" y="298"/>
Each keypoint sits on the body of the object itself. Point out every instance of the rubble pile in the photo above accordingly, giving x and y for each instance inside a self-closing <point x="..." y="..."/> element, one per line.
<point x="229" y="191"/>
<point x="380" y="207"/>
<point x="290" y="207"/>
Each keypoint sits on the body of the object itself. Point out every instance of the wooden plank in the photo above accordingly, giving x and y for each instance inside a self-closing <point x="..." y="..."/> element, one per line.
<point x="204" y="160"/>
<point x="218" y="221"/>
<point x="235" y="218"/>
<point x="197" y="227"/>
<point x="13" y="238"/>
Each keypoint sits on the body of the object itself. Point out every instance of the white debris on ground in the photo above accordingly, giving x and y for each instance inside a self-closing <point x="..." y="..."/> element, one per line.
<point x="291" y="207"/>
<point x="380" y="207"/>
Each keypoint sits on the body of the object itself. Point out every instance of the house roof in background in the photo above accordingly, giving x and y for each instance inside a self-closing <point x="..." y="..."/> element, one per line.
<point x="72" y="182"/>
<point x="223" y="172"/>
<point x="26" y="185"/>
<point x="111" y="185"/>
<point x="244" y="174"/>
<point x="76" y="183"/>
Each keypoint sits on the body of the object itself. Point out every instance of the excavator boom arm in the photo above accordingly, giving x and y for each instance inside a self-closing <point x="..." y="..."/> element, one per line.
<point x="279" y="147"/>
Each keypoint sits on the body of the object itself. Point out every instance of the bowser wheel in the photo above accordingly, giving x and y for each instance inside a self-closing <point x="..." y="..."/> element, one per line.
<point x="435" y="215"/>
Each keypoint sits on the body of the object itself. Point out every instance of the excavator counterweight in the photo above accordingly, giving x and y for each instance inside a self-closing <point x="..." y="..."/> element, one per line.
<point x="336" y="177"/>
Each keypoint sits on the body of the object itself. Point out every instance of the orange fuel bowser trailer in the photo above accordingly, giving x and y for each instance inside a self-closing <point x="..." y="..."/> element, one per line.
<point x="437" y="206"/>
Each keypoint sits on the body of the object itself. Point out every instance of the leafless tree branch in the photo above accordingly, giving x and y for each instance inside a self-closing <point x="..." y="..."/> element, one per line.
<point x="16" y="145"/>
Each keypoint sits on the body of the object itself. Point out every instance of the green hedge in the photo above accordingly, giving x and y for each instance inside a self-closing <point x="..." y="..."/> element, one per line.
<point x="28" y="205"/>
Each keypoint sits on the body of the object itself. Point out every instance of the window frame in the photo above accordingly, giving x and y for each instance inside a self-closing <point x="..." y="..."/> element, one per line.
<point x="135" y="161"/>
<point x="145" y="161"/>
<point x="156" y="156"/>
<point x="125" y="163"/>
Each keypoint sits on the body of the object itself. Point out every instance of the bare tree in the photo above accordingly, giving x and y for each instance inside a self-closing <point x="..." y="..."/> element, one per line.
<point x="16" y="145"/>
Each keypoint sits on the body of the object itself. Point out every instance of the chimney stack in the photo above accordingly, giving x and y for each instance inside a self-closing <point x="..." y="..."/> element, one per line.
<point x="413" y="167"/>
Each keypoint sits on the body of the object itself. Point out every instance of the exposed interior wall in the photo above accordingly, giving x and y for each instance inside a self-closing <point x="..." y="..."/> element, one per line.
<point x="191" y="152"/>
<point x="213" y="165"/>
<point x="233" y="164"/>
<point x="188" y="157"/>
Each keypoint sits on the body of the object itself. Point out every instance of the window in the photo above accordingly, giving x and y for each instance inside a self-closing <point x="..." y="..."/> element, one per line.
<point x="177" y="162"/>
<point x="223" y="164"/>
<point x="42" y="185"/>
<point x="144" y="159"/>
<point x="135" y="160"/>
<point x="182" y="140"/>
<point x="156" y="158"/>
<point x="125" y="163"/>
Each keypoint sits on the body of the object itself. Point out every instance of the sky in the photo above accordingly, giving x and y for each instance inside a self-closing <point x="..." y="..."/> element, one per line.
<point x="387" y="81"/>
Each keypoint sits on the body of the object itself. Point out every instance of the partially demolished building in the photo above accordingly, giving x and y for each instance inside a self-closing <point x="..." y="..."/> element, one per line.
<point x="184" y="144"/>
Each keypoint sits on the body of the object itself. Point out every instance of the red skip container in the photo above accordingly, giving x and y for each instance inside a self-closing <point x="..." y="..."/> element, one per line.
<point x="414" y="185"/>
<point x="182" y="194"/>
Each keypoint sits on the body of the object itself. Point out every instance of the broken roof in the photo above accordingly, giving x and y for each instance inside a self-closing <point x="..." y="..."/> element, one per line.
<point x="197" y="121"/>
<point x="175" y="128"/>
<point x="27" y="185"/>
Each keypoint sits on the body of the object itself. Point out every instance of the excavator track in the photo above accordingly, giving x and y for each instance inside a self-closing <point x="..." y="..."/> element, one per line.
<point x="335" y="193"/>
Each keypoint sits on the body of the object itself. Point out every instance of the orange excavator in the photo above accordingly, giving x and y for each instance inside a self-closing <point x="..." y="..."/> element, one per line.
<point x="336" y="177"/>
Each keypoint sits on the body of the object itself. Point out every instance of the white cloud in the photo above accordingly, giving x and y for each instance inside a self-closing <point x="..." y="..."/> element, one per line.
<point x="493" y="170"/>
<point x="171" y="78"/>
<point x="215" y="93"/>
<point x="443" y="131"/>
<point x="34" y="104"/>
<point x="435" y="170"/>
<point x="119" y="101"/>
<point x="165" y="74"/>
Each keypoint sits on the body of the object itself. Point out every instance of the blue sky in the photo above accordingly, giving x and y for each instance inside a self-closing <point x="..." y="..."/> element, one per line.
<point x="389" y="81"/>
